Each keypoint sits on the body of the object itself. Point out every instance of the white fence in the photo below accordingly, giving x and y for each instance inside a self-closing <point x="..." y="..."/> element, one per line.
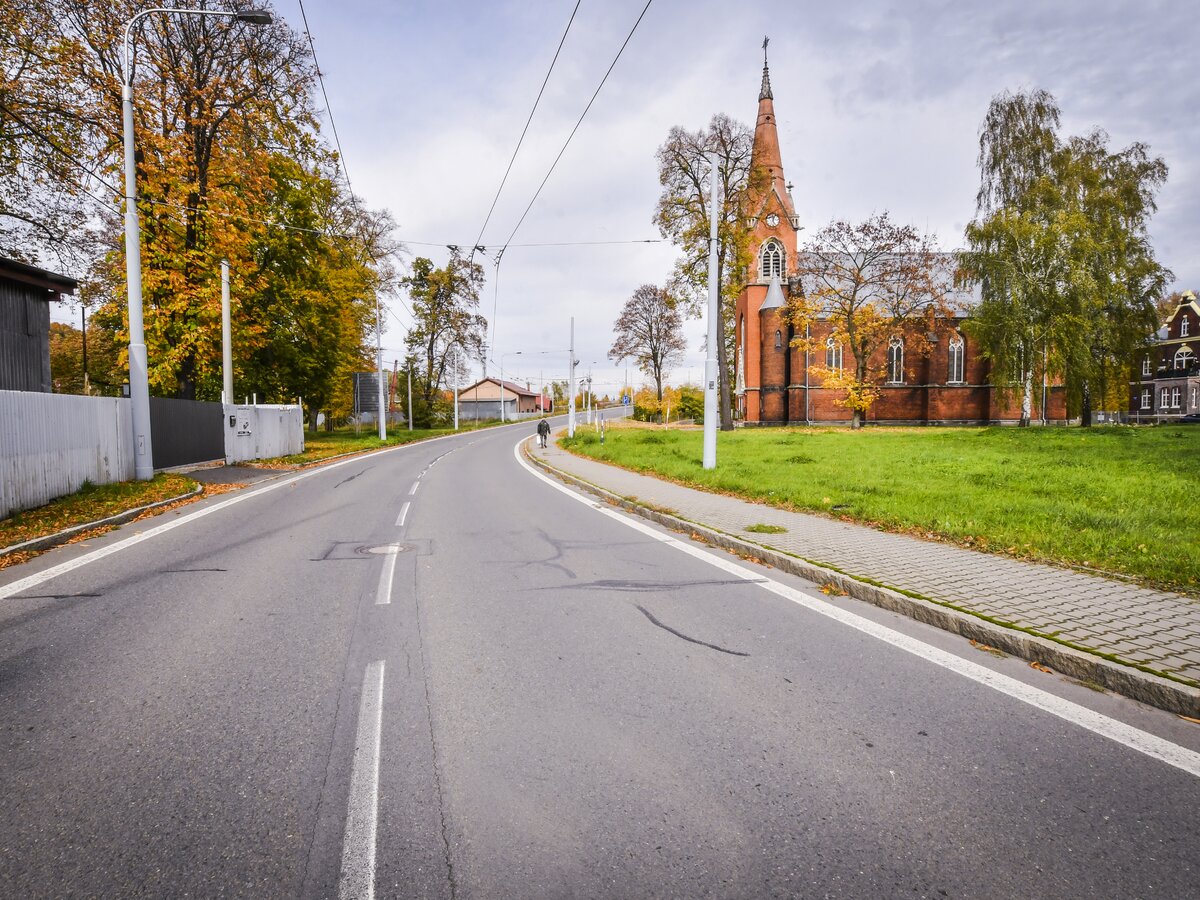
<point x="261" y="432"/>
<point x="50" y="444"/>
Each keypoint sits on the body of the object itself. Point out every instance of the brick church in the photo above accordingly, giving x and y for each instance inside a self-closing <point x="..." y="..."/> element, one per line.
<point x="774" y="385"/>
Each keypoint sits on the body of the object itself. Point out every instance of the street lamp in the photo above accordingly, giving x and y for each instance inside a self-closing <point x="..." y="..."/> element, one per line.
<point x="502" y="355"/>
<point x="139" y="385"/>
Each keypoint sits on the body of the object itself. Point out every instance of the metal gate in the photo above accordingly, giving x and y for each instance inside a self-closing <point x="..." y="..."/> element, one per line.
<point x="186" y="431"/>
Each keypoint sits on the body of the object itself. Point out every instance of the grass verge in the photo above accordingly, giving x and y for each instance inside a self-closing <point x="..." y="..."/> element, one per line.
<point x="89" y="504"/>
<point x="1113" y="499"/>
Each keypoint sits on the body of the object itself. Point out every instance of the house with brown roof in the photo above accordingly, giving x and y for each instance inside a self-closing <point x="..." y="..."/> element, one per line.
<point x="483" y="399"/>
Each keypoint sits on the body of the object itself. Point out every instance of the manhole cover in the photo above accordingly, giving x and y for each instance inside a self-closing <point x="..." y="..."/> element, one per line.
<point x="382" y="549"/>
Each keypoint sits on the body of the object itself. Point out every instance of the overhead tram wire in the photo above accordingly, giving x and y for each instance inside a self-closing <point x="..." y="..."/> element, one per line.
<point x="475" y="246"/>
<point x="553" y="165"/>
<point x="582" y="116"/>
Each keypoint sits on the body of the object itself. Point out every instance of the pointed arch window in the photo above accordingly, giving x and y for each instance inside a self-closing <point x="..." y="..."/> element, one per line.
<point x="778" y="339"/>
<point x="955" y="373"/>
<point x="895" y="361"/>
<point x="1184" y="358"/>
<point x="771" y="260"/>
<point x="833" y="355"/>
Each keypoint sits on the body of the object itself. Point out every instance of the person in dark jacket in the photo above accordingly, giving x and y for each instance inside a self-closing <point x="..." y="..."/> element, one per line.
<point x="543" y="432"/>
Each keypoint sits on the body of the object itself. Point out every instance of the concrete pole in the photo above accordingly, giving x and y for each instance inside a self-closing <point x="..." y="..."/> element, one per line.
<point x="710" y="364"/>
<point x="410" y="415"/>
<point x="571" y="384"/>
<point x="382" y="409"/>
<point x="139" y="378"/>
<point x="456" y="389"/>
<point x="226" y="338"/>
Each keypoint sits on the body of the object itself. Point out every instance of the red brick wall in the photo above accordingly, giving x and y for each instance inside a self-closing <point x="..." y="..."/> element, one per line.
<point x="774" y="369"/>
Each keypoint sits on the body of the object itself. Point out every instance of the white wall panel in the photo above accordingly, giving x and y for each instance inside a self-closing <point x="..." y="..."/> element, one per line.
<point x="50" y="444"/>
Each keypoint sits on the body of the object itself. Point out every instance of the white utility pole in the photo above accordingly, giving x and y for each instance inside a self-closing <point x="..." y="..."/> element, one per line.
<point x="571" y="384"/>
<point x="710" y="364"/>
<point x="139" y="374"/>
<point x="226" y="339"/>
<point x="456" y="389"/>
<point x="410" y="417"/>
<point x="382" y="409"/>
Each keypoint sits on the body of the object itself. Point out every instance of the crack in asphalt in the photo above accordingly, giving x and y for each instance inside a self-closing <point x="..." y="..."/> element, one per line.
<point x="691" y="640"/>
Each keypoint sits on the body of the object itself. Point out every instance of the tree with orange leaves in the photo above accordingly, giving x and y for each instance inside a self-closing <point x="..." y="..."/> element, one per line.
<point x="869" y="284"/>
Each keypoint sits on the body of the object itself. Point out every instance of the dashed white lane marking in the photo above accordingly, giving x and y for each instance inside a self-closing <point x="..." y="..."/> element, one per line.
<point x="357" y="880"/>
<point x="403" y="515"/>
<point x="1126" y="735"/>
<point x="412" y="490"/>
<point x="383" y="596"/>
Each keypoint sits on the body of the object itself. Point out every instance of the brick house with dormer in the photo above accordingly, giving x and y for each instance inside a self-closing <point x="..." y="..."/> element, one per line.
<point x="773" y="382"/>
<point x="1166" y="381"/>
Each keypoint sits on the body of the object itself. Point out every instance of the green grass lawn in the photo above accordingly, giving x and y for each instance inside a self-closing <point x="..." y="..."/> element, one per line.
<point x="1119" y="499"/>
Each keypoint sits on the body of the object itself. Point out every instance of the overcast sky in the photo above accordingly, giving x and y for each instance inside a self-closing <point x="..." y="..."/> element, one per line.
<point x="878" y="103"/>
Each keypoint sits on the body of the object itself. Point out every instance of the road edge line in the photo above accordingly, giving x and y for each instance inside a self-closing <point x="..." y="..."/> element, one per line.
<point x="1127" y="681"/>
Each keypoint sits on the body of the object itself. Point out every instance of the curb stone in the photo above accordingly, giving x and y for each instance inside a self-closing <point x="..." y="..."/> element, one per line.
<point x="1145" y="687"/>
<point x="61" y="537"/>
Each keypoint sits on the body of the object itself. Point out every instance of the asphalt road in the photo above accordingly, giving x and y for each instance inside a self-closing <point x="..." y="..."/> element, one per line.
<point x="429" y="672"/>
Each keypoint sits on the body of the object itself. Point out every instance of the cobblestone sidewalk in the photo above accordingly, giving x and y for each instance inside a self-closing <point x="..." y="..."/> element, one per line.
<point x="1157" y="630"/>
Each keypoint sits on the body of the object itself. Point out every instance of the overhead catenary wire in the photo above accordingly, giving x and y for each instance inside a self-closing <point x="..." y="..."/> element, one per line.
<point x="500" y="253"/>
<point x="475" y="246"/>
<point x="582" y="116"/>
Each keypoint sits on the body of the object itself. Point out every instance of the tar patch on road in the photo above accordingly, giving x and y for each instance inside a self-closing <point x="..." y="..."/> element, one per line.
<point x="691" y="640"/>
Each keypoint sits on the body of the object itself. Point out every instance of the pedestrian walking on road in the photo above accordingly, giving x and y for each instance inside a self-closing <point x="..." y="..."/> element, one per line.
<point x="543" y="433"/>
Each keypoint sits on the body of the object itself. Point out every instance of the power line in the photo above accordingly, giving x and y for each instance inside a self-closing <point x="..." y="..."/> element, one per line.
<point x="567" y="143"/>
<point x="328" y="109"/>
<point x="521" y="140"/>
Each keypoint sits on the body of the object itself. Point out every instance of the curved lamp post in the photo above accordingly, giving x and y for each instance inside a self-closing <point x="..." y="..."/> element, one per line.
<point x="139" y="385"/>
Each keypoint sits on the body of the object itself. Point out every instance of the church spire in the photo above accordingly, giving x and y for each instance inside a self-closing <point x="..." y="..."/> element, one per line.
<point x="765" y="92"/>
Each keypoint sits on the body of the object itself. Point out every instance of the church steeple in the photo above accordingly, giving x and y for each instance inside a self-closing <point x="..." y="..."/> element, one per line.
<point x="766" y="136"/>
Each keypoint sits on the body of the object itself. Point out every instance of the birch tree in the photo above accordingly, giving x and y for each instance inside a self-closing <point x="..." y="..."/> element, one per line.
<point x="1061" y="251"/>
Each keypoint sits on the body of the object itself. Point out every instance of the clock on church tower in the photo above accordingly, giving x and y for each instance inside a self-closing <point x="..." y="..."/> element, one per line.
<point x="772" y="220"/>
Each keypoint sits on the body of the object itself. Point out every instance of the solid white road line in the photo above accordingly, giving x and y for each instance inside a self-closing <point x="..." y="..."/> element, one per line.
<point x="1113" y="729"/>
<point x="31" y="581"/>
<point x="357" y="880"/>
<point x="383" y="596"/>
<point x="403" y="515"/>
